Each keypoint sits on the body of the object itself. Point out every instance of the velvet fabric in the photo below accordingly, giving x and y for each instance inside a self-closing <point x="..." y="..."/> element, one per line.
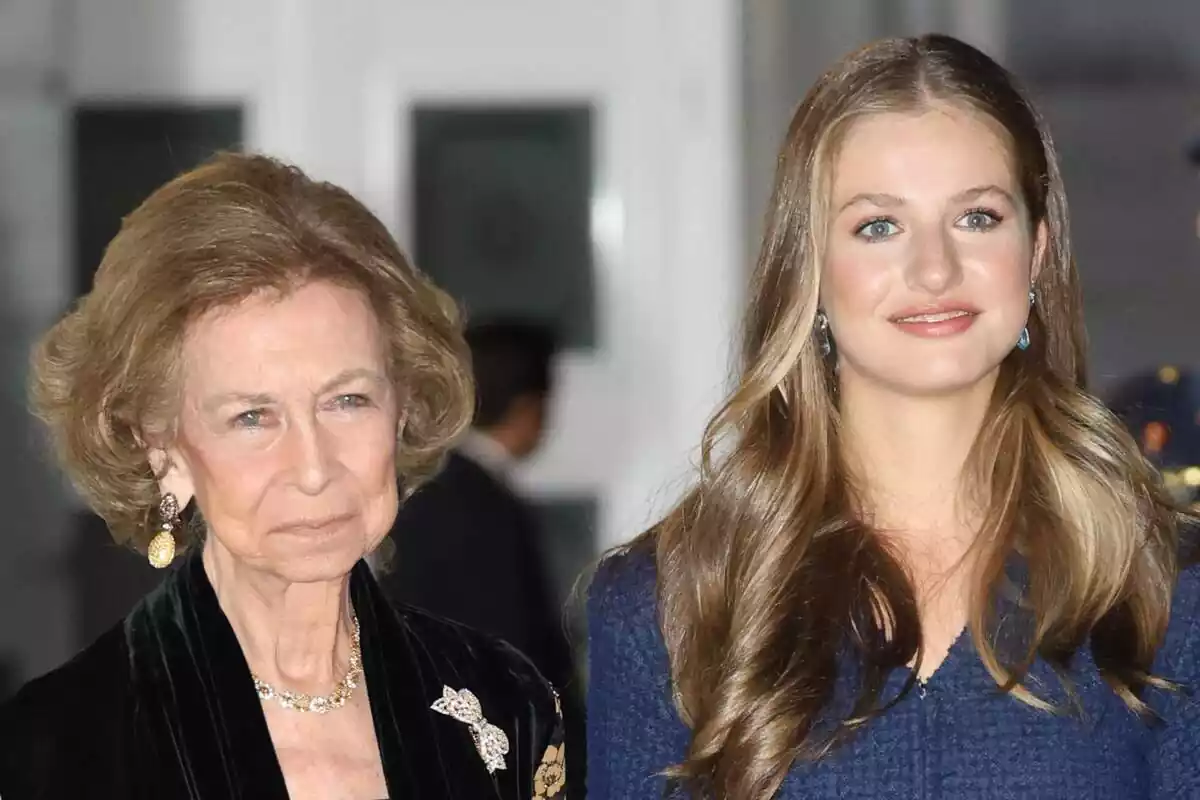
<point x="163" y="706"/>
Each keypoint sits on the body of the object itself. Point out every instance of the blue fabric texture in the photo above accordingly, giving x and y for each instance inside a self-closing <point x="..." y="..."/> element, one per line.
<point x="957" y="738"/>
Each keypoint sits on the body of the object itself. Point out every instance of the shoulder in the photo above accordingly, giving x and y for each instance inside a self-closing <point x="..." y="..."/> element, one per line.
<point x="454" y="652"/>
<point x="634" y="728"/>
<point x="65" y="716"/>
<point x="1179" y="657"/>
<point x="466" y="672"/>
<point x="624" y="631"/>
<point x="71" y="688"/>
<point x="459" y="471"/>
<point x="625" y="586"/>
<point x="452" y="640"/>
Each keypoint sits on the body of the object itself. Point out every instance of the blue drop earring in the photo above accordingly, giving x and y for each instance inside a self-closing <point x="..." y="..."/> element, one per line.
<point x="1023" y="339"/>
<point x="823" y="340"/>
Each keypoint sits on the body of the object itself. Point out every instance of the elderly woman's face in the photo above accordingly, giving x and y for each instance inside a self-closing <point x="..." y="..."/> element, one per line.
<point x="287" y="431"/>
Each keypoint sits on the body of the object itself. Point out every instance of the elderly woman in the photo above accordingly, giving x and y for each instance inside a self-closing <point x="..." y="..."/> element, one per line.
<point x="254" y="368"/>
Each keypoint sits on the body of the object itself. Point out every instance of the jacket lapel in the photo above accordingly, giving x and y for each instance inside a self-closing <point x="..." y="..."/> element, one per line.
<point x="208" y="738"/>
<point x="425" y="754"/>
<point x="195" y="691"/>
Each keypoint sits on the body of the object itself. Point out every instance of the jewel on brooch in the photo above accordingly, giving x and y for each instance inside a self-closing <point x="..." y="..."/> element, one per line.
<point x="490" y="741"/>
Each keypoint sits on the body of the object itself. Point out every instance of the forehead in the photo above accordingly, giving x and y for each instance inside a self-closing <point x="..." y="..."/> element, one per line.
<point x="939" y="150"/>
<point x="273" y="341"/>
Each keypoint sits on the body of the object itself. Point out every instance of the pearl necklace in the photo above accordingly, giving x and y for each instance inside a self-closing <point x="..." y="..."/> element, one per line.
<point x="319" y="704"/>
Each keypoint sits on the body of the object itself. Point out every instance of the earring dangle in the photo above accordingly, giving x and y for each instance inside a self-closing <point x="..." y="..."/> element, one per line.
<point x="161" y="552"/>
<point x="823" y="333"/>
<point x="1023" y="340"/>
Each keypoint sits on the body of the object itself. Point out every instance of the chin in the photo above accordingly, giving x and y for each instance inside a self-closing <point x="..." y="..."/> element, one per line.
<point x="314" y="569"/>
<point x="942" y="385"/>
<point x="300" y="559"/>
<point x="938" y="378"/>
<point x="928" y="368"/>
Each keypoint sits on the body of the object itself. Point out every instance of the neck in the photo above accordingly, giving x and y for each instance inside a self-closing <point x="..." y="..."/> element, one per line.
<point x="908" y="455"/>
<point x="503" y="439"/>
<point x="295" y="636"/>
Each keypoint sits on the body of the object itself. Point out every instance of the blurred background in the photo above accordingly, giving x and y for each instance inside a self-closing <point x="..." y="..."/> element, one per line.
<point x="599" y="167"/>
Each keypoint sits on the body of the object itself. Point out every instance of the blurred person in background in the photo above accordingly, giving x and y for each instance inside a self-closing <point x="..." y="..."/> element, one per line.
<point x="467" y="545"/>
<point x="920" y="559"/>
<point x="255" y="367"/>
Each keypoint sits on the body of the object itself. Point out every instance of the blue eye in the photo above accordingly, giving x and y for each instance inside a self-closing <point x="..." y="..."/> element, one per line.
<point x="249" y="419"/>
<point x="979" y="219"/>
<point x="348" y="401"/>
<point x="878" y="229"/>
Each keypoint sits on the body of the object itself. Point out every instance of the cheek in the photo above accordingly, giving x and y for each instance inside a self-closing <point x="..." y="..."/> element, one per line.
<point x="230" y="482"/>
<point x="372" y="463"/>
<point x="369" y="453"/>
<point x="855" y="281"/>
<point x="1003" y="278"/>
<point x="375" y="463"/>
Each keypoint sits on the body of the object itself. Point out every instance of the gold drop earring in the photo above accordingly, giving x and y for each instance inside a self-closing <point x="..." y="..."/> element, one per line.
<point x="161" y="552"/>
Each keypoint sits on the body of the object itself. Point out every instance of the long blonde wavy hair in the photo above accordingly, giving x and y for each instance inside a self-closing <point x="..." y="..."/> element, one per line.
<point x="766" y="570"/>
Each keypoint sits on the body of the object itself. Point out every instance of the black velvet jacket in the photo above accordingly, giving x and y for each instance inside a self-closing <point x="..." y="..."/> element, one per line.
<point x="162" y="706"/>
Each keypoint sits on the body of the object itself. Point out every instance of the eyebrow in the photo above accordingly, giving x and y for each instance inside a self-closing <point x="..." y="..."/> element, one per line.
<point x="261" y="399"/>
<point x="884" y="200"/>
<point x="349" y="375"/>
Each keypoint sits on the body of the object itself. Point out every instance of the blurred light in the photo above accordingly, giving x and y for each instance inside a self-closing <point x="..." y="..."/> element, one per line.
<point x="1168" y="374"/>
<point x="608" y="224"/>
<point x="1154" y="437"/>
<point x="1191" y="476"/>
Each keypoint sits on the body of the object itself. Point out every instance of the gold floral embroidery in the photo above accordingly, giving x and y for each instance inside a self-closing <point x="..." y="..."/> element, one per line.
<point x="551" y="775"/>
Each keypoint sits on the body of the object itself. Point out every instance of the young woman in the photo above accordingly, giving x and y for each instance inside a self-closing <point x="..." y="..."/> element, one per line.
<point x="920" y="559"/>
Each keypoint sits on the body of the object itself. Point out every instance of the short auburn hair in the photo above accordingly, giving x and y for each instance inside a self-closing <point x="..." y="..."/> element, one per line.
<point x="105" y="378"/>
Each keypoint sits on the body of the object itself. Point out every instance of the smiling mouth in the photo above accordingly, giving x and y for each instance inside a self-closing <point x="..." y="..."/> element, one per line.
<point x="940" y="316"/>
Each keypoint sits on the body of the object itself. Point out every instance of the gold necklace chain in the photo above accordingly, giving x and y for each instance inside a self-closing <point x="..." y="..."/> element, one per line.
<point x="315" y="703"/>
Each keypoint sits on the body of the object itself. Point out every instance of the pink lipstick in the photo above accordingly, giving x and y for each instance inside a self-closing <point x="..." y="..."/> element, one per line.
<point x="935" y="321"/>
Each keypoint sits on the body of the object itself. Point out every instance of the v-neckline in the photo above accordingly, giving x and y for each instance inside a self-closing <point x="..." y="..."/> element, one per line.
<point x="946" y="662"/>
<point x="209" y="719"/>
<point x="1004" y="607"/>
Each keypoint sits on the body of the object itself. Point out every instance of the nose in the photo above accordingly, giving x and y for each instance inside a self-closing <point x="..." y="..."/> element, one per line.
<point x="935" y="267"/>
<point x="312" y="452"/>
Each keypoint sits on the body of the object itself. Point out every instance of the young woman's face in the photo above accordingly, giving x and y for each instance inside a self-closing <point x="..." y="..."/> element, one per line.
<point x="929" y="254"/>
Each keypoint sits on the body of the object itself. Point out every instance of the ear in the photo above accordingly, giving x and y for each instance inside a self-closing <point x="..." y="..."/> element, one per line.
<point x="173" y="474"/>
<point x="1041" y="244"/>
<point x="401" y="424"/>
